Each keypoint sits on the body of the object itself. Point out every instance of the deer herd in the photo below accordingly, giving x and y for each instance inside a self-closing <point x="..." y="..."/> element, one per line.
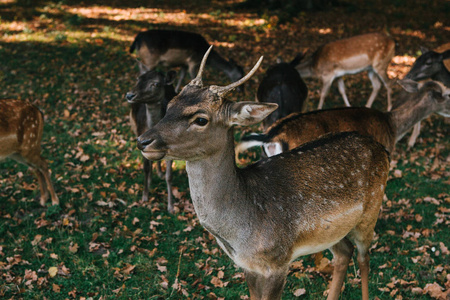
<point x="322" y="182"/>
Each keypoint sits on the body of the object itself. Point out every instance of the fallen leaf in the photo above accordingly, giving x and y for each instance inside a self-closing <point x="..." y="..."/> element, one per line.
<point x="73" y="248"/>
<point x="36" y="240"/>
<point x="435" y="291"/>
<point x="52" y="271"/>
<point x="444" y="249"/>
<point x="161" y="268"/>
<point x="217" y="282"/>
<point x="299" y="292"/>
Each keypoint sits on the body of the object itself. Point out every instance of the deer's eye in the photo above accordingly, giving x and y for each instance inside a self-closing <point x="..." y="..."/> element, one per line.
<point x="201" y="121"/>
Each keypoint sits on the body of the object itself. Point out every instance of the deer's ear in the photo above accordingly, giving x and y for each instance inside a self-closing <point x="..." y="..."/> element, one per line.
<point x="170" y="77"/>
<point x="409" y="85"/>
<point x="249" y="113"/>
<point x="142" y="68"/>
<point x="424" y="49"/>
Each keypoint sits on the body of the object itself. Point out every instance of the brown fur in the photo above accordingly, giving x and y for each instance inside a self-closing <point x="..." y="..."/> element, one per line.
<point x="21" y="128"/>
<point x="298" y="129"/>
<point x="368" y="52"/>
<point x="386" y="128"/>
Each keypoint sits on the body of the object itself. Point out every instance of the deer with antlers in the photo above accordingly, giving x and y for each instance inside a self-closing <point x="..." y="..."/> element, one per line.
<point x="21" y="128"/>
<point x="367" y="52"/>
<point x="323" y="195"/>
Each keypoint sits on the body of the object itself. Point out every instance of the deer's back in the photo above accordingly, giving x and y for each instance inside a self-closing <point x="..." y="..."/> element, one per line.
<point x="21" y="127"/>
<point x="297" y="129"/>
<point x="322" y="188"/>
<point x="173" y="46"/>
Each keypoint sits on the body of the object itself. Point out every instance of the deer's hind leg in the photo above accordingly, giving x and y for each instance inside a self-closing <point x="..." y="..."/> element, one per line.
<point x="362" y="236"/>
<point x="342" y="253"/>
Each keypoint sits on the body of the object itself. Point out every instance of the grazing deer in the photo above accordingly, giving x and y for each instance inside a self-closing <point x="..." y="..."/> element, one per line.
<point x="368" y="52"/>
<point x="149" y="99"/>
<point x="21" y="128"/>
<point x="430" y="65"/>
<point x="282" y="85"/>
<point x="323" y="195"/>
<point x="387" y="128"/>
<point x="174" y="48"/>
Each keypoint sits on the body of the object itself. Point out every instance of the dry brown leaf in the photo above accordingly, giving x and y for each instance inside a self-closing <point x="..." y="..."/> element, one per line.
<point x="217" y="282"/>
<point x="398" y="173"/>
<point x="435" y="291"/>
<point x="73" y="248"/>
<point x="162" y="269"/>
<point x="444" y="249"/>
<point x="36" y="240"/>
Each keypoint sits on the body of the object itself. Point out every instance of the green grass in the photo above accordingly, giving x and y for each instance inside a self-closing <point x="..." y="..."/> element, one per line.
<point x="106" y="242"/>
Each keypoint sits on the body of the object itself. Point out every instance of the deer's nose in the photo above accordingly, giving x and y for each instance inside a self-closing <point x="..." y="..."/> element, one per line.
<point x="130" y="96"/>
<point x="142" y="143"/>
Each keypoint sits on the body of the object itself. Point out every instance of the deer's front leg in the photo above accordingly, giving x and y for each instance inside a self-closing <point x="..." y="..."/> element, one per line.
<point x="148" y="178"/>
<point x="169" y="186"/>
<point x="327" y="81"/>
<point x="265" y="288"/>
<point x="414" y="135"/>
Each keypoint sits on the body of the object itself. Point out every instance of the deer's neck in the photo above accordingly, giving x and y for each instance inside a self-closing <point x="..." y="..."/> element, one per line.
<point x="213" y="181"/>
<point x="408" y="114"/>
<point x="219" y="197"/>
<point x="153" y="112"/>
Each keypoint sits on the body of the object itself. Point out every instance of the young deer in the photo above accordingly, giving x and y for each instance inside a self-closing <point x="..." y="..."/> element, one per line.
<point x="386" y="128"/>
<point x="149" y="99"/>
<point x="174" y="48"/>
<point x="368" y="52"/>
<point x="322" y="195"/>
<point x="429" y="65"/>
<point x="282" y="85"/>
<point x="21" y="128"/>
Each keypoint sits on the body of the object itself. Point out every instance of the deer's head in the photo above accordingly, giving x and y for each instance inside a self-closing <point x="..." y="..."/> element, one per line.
<point x="197" y="121"/>
<point x="427" y="65"/>
<point x="151" y="86"/>
<point x="432" y="93"/>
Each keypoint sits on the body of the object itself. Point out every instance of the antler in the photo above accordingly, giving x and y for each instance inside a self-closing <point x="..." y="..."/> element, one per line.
<point x="197" y="81"/>
<point x="222" y="90"/>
